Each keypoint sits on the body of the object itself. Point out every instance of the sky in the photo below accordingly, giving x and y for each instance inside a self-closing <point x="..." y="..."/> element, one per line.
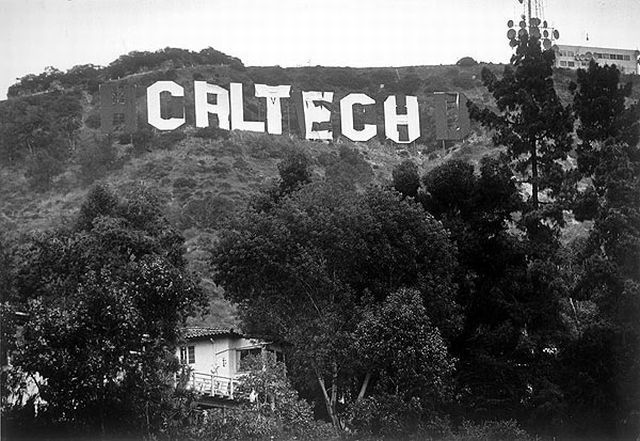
<point x="357" y="33"/>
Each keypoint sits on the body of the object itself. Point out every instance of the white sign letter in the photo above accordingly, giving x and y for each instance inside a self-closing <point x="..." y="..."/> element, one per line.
<point x="411" y="119"/>
<point x="273" y="94"/>
<point x="346" y="117"/>
<point x="316" y="114"/>
<point x="201" y="92"/>
<point x="154" y="115"/>
<point x="237" y="112"/>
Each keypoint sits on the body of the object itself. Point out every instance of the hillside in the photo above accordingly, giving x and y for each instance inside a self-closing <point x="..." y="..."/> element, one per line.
<point x="202" y="176"/>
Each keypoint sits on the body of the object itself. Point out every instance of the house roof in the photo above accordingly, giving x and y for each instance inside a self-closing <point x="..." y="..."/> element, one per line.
<point x="194" y="333"/>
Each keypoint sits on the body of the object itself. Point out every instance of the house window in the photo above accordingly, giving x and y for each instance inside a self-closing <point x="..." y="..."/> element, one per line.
<point x="188" y="354"/>
<point x="242" y="356"/>
<point x="563" y="63"/>
<point x="572" y="64"/>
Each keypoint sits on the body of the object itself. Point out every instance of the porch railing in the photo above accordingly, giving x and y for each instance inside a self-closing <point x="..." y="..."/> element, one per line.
<point x="213" y="385"/>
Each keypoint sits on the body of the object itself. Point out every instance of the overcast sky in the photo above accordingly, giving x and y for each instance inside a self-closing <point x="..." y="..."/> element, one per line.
<point x="63" y="33"/>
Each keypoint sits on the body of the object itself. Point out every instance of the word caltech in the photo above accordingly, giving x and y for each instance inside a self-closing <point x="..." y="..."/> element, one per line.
<point x="212" y="105"/>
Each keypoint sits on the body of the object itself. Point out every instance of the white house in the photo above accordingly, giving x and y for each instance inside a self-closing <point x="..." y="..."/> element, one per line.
<point x="215" y="358"/>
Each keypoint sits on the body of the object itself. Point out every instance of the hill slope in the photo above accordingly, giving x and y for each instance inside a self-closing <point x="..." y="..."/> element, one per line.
<point x="203" y="177"/>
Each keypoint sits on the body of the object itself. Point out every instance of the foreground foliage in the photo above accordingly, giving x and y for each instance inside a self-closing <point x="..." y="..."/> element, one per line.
<point x="105" y="297"/>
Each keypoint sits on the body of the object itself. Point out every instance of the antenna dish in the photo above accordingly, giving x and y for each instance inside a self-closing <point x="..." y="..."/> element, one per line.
<point x="511" y="34"/>
<point x="544" y="24"/>
<point x="510" y="23"/>
<point x="522" y="33"/>
<point x="545" y="33"/>
<point x="535" y="32"/>
<point x="546" y="44"/>
<point x="522" y="24"/>
<point x="556" y="34"/>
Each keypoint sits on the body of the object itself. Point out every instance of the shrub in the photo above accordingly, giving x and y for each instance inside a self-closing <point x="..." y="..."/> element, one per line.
<point x="406" y="179"/>
<point x="466" y="62"/>
<point x="142" y="141"/>
<point x="96" y="159"/>
<point x="41" y="169"/>
<point x="212" y="133"/>
<point x="184" y="182"/>
<point x="350" y="169"/>
<point x="93" y="121"/>
<point x="385" y="415"/>
<point x="166" y="141"/>
<point x="492" y="431"/>
<point x="208" y="212"/>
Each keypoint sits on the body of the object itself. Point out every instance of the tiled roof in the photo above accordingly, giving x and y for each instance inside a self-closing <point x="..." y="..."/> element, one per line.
<point x="192" y="333"/>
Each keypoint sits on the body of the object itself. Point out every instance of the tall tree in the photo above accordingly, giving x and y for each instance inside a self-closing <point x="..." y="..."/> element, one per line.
<point x="599" y="105"/>
<point x="535" y="128"/>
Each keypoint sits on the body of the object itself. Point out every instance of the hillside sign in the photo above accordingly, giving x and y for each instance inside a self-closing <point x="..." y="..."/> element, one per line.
<point x="166" y="110"/>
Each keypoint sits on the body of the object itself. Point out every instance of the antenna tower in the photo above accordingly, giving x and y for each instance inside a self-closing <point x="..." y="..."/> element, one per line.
<point x="532" y="23"/>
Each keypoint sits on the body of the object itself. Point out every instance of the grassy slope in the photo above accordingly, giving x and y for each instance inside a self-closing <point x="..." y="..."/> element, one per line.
<point x="202" y="182"/>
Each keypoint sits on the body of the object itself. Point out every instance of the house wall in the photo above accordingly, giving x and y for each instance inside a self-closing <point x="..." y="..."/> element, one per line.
<point x="218" y="355"/>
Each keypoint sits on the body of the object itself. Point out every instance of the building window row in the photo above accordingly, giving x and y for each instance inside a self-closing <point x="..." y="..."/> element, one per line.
<point x="597" y="55"/>
<point x="612" y="56"/>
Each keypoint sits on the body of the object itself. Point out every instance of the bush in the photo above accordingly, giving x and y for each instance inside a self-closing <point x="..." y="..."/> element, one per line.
<point x="208" y="212"/>
<point x="93" y="121"/>
<point x="141" y="140"/>
<point x="276" y="412"/>
<point x="42" y="167"/>
<point x="406" y="179"/>
<point x="466" y="62"/>
<point x="385" y="415"/>
<point x="212" y="133"/>
<point x="184" y="182"/>
<point x="492" y="431"/>
<point x="350" y="169"/>
<point x="96" y="159"/>
<point x="166" y="141"/>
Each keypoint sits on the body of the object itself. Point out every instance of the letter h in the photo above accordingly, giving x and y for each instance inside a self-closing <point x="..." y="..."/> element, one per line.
<point x="117" y="107"/>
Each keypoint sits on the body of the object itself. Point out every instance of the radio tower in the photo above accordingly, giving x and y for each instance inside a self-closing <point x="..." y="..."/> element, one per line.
<point x="531" y="22"/>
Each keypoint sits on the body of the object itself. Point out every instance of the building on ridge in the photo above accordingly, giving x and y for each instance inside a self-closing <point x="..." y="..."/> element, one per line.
<point x="577" y="57"/>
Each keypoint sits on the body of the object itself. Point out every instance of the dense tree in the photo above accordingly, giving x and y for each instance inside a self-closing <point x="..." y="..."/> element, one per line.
<point x="536" y="130"/>
<point x="599" y="105"/>
<point x="602" y="358"/>
<point x="41" y="131"/>
<point x="294" y="171"/>
<point x="397" y="343"/>
<point x="300" y="271"/>
<point x="406" y="179"/>
<point x="105" y="299"/>
<point x="510" y="301"/>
